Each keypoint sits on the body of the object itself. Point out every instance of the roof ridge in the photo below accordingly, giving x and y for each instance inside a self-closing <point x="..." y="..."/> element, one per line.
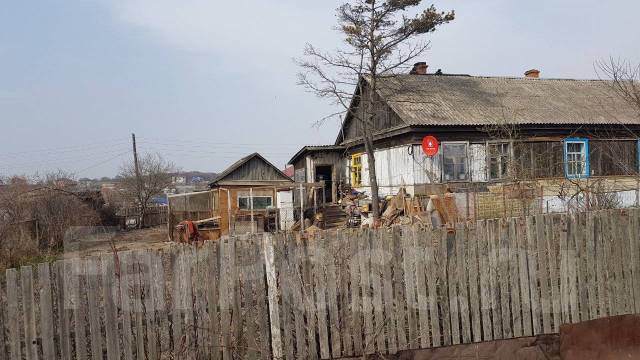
<point x="503" y="77"/>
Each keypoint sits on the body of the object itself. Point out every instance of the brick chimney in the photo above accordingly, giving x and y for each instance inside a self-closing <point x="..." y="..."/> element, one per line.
<point x="532" y="74"/>
<point x="419" y="68"/>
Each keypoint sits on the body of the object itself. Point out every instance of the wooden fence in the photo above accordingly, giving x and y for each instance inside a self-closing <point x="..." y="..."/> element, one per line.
<point x="343" y="293"/>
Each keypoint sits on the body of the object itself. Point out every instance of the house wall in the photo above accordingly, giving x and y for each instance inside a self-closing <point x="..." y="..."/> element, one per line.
<point x="407" y="166"/>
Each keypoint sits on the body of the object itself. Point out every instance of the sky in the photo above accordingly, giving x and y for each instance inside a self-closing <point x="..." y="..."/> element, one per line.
<point x="204" y="83"/>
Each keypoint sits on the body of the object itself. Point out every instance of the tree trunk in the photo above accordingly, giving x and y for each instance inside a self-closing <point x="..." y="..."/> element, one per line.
<point x="373" y="181"/>
<point x="143" y="211"/>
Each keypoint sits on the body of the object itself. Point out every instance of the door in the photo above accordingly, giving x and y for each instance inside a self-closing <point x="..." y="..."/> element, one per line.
<point x="323" y="173"/>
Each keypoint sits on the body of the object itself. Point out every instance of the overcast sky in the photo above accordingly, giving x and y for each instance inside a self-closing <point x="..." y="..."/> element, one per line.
<point x="205" y="82"/>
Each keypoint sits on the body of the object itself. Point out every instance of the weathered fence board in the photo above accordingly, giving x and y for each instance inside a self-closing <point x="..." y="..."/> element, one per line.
<point x="341" y="293"/>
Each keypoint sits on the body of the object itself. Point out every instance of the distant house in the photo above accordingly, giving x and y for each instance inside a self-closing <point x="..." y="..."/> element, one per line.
<point x="485" y="127"/>
<point x="241" y="198"/>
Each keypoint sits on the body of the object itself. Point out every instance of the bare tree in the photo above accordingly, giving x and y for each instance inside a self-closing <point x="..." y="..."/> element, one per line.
<point x="155" y="176"/>
<point x="381" y="38"/>
<point x="624" y="77"/>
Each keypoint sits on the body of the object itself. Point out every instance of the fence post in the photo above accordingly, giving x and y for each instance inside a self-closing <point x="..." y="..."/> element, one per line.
<point x="301" y="208"/>
<point x="251" y="207"/>
<point x="273" y="296"/>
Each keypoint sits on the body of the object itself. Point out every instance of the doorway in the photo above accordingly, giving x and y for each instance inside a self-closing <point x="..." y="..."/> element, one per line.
<point x="323" y="173"/>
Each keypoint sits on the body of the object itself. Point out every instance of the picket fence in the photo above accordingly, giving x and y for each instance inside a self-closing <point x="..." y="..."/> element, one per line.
<point x="340" y="294"/>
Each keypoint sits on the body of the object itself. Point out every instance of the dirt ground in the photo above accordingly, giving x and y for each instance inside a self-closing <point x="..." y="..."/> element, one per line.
<point x="152" y="238"/>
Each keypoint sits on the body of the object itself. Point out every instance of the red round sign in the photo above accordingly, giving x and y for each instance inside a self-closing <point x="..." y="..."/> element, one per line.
<point x="430" y="145"/>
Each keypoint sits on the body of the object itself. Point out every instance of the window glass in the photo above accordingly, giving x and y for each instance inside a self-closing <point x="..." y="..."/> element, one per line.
<point x="576" y="158"/>
<point x="356" y="170"/>
<point x="499" y="156"/>
<point x="259" y="202"/>
<point x="454" y="162"/>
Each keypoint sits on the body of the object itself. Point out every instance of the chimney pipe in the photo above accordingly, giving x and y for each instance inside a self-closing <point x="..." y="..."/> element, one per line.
<point x="532" y="74"/>
<point x="419" y="68"/>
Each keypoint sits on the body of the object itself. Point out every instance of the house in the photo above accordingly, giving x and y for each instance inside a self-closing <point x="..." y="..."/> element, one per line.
<point x="485" y="132"/>
<point x="241" y="199"/>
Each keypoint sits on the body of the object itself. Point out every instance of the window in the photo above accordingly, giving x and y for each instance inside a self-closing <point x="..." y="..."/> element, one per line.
<point x="499" y="157"/>
<point x="613" y="157"/>
<point x="454" y="161"/>
<point x="356" y="170"/>
<point x="576" y="154"/>
<point x="538" y="159"/>
<point x="259" y="202"/>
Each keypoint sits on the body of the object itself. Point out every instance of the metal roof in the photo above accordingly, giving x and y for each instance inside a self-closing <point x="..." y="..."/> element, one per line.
<point x="472" y="100"/>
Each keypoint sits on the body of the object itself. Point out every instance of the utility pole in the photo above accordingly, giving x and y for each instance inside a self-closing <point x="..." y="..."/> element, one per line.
<point x="138" y="180"/>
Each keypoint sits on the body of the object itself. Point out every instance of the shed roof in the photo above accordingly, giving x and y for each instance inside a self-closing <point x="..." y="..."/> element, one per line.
<point x="475" y="100"/>
<point x="252" y="169"/>
<point x="315" y="148"/>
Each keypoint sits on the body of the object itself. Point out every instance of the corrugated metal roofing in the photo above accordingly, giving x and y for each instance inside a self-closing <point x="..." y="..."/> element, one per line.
<point x="470" y="100"/>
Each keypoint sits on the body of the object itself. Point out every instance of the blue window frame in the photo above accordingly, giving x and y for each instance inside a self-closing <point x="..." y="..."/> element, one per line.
<point x="576" y="158"/>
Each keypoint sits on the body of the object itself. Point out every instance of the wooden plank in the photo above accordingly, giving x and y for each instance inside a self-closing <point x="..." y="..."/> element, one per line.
<point x="200" y="279"/>
<point x="309" y="304"/>
<point x="564" y="271"/>
<point x="634" y="251"/>
<point x="273" y="296"/>
<point x="419" y="246"/>
<point x="332" y="263"/>
<point x="64" y="327"/>
<point x="110" y="310"/>
<point x="138" y="310"/>
<point x="625" y="234"/>
<point x="494" y="283"/>
<point x="503" y="276"/>
<point x="514" y="278"/>
<point x="365" y="286"/>
<point x="376" y="285"/>
<point x="190" y="331"/>
<point x="345" y="259"/>
<point x="160" y="303"/>
<point x="590" y="266"/>
<point x="432" y="284"/>
<point x="236" y="321"/>
<point x="296" y="255"/>
<point x="262" y="306"/>
<point x="212" y="292"/>
<point x="319" y="286"/>
<point x="248" y="346"/>
<point x="582" y="268"/>
<point x="283" y="274"/>
<point x="452" y="280"/>
<point x="80" y="310"/>
<point x="534" y="290"/>
<point x="553" y="234"/>
<point x="28" y="313"/>
<point x="601" y="282"/>
<point x="543" y="274"/>
<point x="443" y="289"/>
<point x="4" y="351"/>
<point x="226" y="296"/>
<point x="573" y="269"/>
<point x="13" y="323"/>
<point x="474" y="290"/>
<point x="389" y="301"/>
<point x="149" y="301"/>
<point x="410" y="286"/>
<point x="400" y="295"/>
<point x="523" y="269"/>
<point x="46" y="312"/>
<point x="92" y="272"/>
<point x="485" y="294"/>
<point x="463" y="281"/>
<point x="125" y="305"/>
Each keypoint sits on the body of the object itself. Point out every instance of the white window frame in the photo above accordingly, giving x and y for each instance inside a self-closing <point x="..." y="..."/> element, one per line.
<point x="254" y="198"/>
<point x="466" y="165"/>
<point x="584" y="154"/>
<point x="488" y="157"/>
